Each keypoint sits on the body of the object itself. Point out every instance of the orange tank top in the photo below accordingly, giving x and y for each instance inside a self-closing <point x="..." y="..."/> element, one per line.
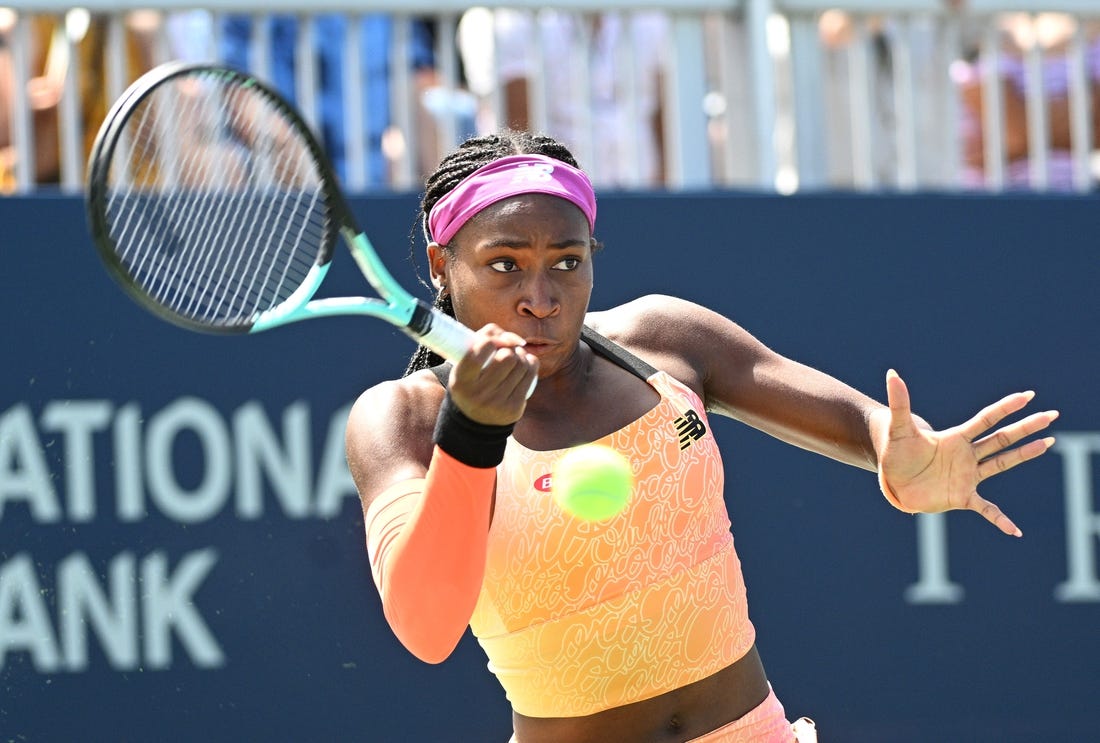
<point x="578" y="617"/>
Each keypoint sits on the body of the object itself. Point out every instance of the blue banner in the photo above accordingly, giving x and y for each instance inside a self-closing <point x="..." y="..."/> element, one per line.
<point x="181" y="546"/>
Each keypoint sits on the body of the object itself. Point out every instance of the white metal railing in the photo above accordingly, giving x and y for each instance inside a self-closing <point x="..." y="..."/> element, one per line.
<point x="926" y="44"/>
<point x="763" y="94"/>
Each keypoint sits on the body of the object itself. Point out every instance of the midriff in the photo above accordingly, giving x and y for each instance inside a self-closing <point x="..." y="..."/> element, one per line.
<point x="677" y="715"/>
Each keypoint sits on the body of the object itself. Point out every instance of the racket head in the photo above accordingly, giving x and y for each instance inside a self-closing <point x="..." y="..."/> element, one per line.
<point x="209" y="199"/>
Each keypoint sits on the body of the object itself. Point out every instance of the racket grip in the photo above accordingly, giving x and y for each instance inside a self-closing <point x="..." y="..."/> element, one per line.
<point x="444" y="335"/>
<point x="441" y="333"/>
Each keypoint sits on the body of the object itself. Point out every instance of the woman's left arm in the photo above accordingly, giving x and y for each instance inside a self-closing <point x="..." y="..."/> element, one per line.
<point x="921" y="470"/>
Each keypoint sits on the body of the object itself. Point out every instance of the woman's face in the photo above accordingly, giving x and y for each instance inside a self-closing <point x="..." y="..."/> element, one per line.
<point x="524" y="263"/>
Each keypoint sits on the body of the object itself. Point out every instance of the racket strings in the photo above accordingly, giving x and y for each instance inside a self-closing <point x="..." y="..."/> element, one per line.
<point x="214" y="202"/>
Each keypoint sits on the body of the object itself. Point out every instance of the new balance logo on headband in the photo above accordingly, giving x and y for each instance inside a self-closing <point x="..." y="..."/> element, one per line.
<point x="532" y="173"/>
<point x="690" y="428"/>
<point x="504" y="178"/>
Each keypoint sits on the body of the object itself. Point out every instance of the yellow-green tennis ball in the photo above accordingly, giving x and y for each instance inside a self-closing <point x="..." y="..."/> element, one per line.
<point x="592" y="482"/>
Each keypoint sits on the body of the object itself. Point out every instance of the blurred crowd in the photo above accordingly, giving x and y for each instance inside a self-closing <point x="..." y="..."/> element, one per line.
<point x="593" y="80"/>
<point x="1028" y="51"/>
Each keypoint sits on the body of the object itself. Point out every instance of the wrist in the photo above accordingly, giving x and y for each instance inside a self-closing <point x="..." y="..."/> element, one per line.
<point x="470" y="442"/>
<point x="878" y="430"/>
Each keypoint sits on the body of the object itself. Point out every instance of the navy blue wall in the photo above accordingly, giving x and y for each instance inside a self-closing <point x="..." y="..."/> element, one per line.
<point x="274" y="630"/>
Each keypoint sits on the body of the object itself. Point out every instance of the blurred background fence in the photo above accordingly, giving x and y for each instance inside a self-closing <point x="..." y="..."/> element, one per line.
<point x="778" y="95"/>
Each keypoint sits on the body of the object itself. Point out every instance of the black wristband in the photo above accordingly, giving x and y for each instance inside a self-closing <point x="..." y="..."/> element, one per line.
<point x="472" y="443"/>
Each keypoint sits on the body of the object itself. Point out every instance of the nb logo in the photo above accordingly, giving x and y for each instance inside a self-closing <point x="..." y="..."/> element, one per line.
<point x="690" y="427"/>
<point x="527" y="173"/>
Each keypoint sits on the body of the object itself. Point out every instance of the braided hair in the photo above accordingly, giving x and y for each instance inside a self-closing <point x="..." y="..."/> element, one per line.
<point x="472" y="154"/>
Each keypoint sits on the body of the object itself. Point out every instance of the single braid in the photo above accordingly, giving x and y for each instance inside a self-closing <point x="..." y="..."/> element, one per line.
<point x="472" y="154"/>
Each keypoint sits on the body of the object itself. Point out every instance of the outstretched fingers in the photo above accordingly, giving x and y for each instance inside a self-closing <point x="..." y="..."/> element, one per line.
<point x="1006" y="460"/>
<point x="991" y="513"/>
<point x="994" y="452"/>
<point x="1009" y="435"/>
<point x="991" y="415"/>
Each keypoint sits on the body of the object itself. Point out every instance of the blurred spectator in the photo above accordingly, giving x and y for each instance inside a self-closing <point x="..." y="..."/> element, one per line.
<point x="1052" y="33"/>
<point x="618" y="128"/>
<point x="50" y="64"/>
<point x="376" y="38"/>
<point x="43" y="91"/>
<point x="838" y="31"/>
<point x="190" y="35"/>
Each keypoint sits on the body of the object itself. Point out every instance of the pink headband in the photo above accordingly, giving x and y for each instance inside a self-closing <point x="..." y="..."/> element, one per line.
<point x="509" y="176"/>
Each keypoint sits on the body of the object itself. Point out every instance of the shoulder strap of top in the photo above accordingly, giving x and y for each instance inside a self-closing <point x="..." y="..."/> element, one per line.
<point x="616" y="354"/>
<point x="442" y="372"/>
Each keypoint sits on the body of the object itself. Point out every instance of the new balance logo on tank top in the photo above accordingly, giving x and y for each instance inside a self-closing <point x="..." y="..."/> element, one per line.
<point x="577" y="617"/>
<point x="690" y="427"/>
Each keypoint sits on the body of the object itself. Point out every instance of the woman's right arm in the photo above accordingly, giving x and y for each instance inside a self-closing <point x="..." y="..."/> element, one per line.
<point x="427" y="521"/>
<point x="426" y="474"/>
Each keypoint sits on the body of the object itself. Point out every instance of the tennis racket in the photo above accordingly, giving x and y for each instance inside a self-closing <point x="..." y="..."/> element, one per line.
<point x="213" y="205"/>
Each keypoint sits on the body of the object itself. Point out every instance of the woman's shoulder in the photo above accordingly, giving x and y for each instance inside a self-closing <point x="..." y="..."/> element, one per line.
<point x="658" y="319"/>
<point x="665" y="331"/>
<point x="408" y="403"/>
<point x="391" y="424"/>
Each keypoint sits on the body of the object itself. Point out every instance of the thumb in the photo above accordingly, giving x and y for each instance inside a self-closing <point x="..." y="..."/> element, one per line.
<point x="897" y="397"/>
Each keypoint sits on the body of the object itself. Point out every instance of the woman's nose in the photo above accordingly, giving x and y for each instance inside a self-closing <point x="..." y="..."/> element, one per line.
<point x="539" y="298"/>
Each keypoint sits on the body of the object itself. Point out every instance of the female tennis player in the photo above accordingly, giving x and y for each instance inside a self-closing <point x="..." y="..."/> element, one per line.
<point x="635" y="628"/>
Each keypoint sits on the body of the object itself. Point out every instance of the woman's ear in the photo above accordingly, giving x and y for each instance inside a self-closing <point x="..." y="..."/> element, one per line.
<point x="437" y="265"/>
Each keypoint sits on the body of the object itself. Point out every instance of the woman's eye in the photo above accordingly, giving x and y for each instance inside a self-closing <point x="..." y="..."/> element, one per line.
<point x="506" y="265"/>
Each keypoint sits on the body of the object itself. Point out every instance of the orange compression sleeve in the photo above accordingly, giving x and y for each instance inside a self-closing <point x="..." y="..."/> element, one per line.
<point x="426" y="540"/>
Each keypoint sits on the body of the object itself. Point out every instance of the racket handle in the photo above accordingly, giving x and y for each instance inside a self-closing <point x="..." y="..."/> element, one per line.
<point x="444" y="335"/>
<point x="441" y="333"/>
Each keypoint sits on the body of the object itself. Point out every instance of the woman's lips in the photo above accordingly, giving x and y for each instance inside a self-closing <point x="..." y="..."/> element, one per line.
<point x="536" y="345"/>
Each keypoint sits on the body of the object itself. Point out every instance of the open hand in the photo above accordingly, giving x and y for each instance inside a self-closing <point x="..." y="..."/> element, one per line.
<point x="926" y="471"/>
